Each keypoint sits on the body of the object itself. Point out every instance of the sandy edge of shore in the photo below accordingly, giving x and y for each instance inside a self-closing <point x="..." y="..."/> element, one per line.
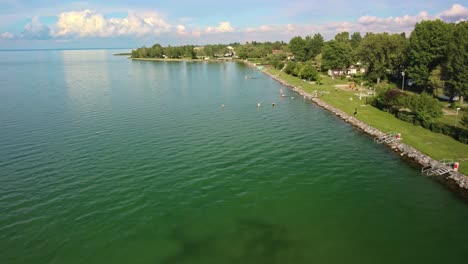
<point x="454" y="178"/>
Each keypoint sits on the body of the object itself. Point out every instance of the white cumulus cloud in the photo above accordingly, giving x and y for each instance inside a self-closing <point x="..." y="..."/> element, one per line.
<point x="180" y="29"/>
<point x="35" y="30"/>
<point x="223" y="27"/>
<point x="6" y="35"/>
<point x="262" y="28"/>
<point x="456" y="13"/>
<point x="362" y="24"/>
<point x="88" y="23"/>
<point x="388" y="24"/>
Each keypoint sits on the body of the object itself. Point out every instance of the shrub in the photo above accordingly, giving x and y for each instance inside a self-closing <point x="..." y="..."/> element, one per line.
<point x="405" y="116"/>
<point x="297" y="70"/>
<point x="290" y="67"/>
<point x="464" y="120"/>
<point x="308" y="72"/>
<point x="425" y="107"/>
<point x="280" y="65"/>
<point x="455" y="105"/>
<point x="390" y="98"/>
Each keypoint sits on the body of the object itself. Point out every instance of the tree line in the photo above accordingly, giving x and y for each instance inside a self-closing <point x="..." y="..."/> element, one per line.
<point x="434" y="57"/>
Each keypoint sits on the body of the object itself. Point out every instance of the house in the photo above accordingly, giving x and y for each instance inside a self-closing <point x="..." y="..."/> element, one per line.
<point x="230" y="52"/>
<point x="351" y="70"/>
<point x="347" y="72"/>
<point x="336" y="72"/>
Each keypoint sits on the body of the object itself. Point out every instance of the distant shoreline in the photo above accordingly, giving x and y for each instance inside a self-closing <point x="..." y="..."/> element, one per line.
<point x="122" y="54"/>
<point x="184" y="59"/>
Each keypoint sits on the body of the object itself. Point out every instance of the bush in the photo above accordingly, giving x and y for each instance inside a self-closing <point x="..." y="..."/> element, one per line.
<point x="405" y="116"/>
<point x="308" y="72"/>
<point x="425" y="106"/>
<point x="464" y="120"/>
<point x="280" y="65"/>
<point x="455" y="105"/>
<point x="438" y="128"/>
<point x="387" y="99"/>
<point x="290" y="67"/>
<point x="297" y="70"/>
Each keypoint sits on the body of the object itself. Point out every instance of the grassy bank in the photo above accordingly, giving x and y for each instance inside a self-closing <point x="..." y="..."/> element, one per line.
<point x="437" y="146"/>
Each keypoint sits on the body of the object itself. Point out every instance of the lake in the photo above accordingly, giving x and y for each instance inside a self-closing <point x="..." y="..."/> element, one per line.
<point x="108" y="160"/>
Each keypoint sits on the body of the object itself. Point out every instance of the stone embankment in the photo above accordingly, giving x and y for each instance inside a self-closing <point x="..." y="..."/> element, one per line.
<point x="454" y="177"/>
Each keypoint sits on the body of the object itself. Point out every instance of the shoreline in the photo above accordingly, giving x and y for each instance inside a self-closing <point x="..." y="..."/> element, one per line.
<point x="184" y="59"/>
<point x="405" y="151"/>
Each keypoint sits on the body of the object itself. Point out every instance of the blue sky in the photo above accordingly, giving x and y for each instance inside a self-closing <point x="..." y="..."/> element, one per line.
<point x="124" y="23"/>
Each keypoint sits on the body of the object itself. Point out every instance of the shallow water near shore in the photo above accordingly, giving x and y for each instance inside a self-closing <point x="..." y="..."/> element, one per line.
<point x="108" y="160"/>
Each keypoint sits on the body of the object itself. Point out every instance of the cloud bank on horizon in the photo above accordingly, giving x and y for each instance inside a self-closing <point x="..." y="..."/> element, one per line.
<point x="145" y="24"/>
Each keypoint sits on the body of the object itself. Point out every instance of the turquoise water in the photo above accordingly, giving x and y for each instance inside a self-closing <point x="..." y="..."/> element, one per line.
<point x="105" y="160"/>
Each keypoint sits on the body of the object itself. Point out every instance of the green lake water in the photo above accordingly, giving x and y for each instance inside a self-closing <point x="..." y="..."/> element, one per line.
<point x="108" y="160"/>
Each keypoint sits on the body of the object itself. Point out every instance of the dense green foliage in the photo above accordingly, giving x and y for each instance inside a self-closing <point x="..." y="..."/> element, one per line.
<point x="456" y="69"/>
<point x="305" y="71"/>
<point x="157" y="51"/>
<point x="297" y="46"/>
<point x="428" y="48"/>
<point x="423" y="106"/>
<point x="336" y="54"/>
<point x="314" y="45"/>
<point x="381" y="54"/>
<point x="355" y="40"/>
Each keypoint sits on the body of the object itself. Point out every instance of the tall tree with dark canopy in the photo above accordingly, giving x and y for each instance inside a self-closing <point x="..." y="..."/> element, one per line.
<point x="297" y="46"/>
<point x="456" y="68"/>
<point x="342" y="37"/>
<point x="336" y="55"/>
<point x="314" y="45"/>
<point x="355" y="40"/>
<point x="428" y="48"/>
<point x="381" y="54"/>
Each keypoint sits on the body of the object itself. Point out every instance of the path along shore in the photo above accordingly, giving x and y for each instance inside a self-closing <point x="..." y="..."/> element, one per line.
<point x="453" y="179"/>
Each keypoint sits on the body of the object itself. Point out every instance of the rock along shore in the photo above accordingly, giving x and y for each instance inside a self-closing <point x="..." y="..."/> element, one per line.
<point x="453" y="178"/>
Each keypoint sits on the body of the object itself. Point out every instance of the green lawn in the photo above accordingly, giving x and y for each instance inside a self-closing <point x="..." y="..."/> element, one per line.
<point x="437" y="146"/>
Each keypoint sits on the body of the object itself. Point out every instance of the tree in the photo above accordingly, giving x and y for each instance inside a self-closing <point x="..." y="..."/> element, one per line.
<point x="318" y="61"/>
<point x="425" y="107"/>
<point x="314" y="45"/>
<point x="143" y="52"/>
<point x="355" y="40"/>
<point x="188" y="52"/>
<point x="290" y="67"/>
<point x="156" y="51"/>
<point x="342" y="37"/>
<point x="308" y="47"/>
<point x="308" y="72"/>
<point x="336" y="55"/>
<point x="382" y="54"/>
<point x="456" y="69"/>
<point x="297" y="46"/>
<point x="297" y="69"/>
<point x="436" y="82"/>
<point x="428" y="48"/>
